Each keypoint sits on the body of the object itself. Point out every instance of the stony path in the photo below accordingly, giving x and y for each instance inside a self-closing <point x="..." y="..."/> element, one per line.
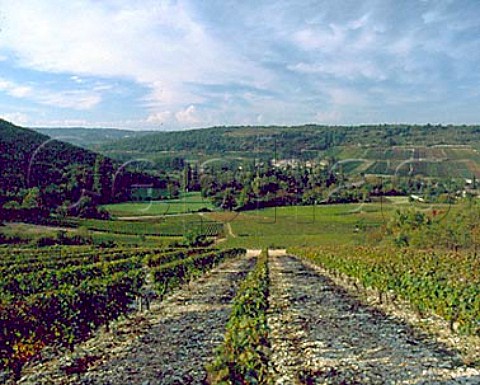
<point x="183" y="332"/>
<point x="321" y="335"/>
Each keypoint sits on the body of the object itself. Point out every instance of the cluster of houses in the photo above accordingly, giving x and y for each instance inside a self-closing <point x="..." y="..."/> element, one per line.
<point x="470" y="189"/>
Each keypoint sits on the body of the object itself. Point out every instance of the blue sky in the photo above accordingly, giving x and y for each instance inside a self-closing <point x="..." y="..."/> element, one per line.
<point x="165" y="65"/>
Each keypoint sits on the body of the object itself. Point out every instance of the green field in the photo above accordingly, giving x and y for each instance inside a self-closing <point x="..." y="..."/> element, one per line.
<point x="288" y="226"/>
<point x="273" y="227"/>
<point x="190" y="202"/>
<point x="308" y="225"/>
<point x="279" y="227"/>
<point x="434" y="169"/>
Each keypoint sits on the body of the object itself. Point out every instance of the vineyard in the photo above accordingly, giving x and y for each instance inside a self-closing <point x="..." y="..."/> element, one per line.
<point x="429" y="161"/>
<point x="61" y="295"/>
<point x="239" y="192"/>
<point x="254" y="319"/>
<point x="243" y="357"/>
<point x="165" y="227"/>
<point x="438" y="169"/>
<point x="447" y="284"/>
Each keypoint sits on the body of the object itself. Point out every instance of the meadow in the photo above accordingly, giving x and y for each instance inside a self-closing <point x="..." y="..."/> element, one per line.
<point x="283" y="227"/>
<point x="187" y="203"/>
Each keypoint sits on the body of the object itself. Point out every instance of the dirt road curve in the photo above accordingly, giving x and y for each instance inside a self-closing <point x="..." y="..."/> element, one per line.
<point x="320" y="335"/>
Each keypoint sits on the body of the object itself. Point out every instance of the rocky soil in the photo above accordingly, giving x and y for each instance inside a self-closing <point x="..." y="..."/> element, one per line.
<point x="322" y="335"/>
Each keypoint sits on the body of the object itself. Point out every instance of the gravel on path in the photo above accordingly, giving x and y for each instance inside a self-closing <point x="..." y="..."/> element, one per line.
<point x="322" y="335"/>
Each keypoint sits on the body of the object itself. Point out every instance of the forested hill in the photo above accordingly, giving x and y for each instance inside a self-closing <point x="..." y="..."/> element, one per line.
<point x="90" y="138"/>
<point x="29" y="158"/>
<point x="290" y="141"/>
<point x="40" y="174"/>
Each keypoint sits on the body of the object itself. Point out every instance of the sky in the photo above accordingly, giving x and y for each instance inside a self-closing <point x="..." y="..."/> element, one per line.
<point x="169" y="65"/>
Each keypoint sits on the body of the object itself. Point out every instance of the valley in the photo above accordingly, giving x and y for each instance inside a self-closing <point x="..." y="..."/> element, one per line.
<point x="351" y="264"/>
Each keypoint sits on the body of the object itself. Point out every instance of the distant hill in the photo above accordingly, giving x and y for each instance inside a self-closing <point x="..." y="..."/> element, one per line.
<point x="89" y="137"/>
<point x="291" y="141"/>
<point x="43" y="173"/>
<point x="217" y="140"/>
<point x="377" y="149"/>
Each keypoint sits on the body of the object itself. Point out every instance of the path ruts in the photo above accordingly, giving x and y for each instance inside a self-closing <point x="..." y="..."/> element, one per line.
<point x="321" y="335"/>
<point x="184" y="331"/>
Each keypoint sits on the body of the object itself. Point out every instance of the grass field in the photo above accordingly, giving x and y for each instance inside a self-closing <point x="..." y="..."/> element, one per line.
<point x="307" y="225"/>
<point x="190" y="202"/>
<point x="279" y="227"/>
<point x="287" y="226"/>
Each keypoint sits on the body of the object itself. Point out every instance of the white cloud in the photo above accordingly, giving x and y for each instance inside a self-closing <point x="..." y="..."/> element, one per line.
<point x="102" y="87"/>
<point x="13" y="89"/>
<point x="361" y="22"/>
<point x="20" y="91"/>
<point x="346" y="50"/>
<point x="432" y="16"/>
<point x="17" y="118"/>
<point x="403" y="46"/>
<point x="75" y="99"/>
<point x="343" y="68"/>
<point x="326" y="40"/>
<point x="159" y="118"/>
<point x="158" y="44"/>
<point x="188" y="116"/>
<point x="76" y="79"/>
<point x="357" y="35"/>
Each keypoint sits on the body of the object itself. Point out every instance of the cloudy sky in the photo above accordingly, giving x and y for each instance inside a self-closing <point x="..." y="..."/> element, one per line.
<point x="179" y="64"/>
